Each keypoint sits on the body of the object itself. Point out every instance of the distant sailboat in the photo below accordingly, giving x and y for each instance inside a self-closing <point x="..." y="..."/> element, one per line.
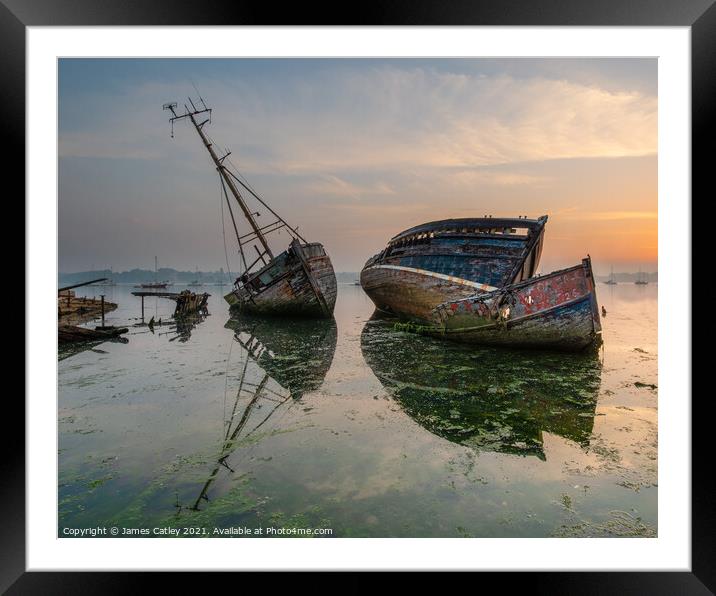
<point x="107" y="283"/>
<point x="155" y="285"/>
<point x="612" y="280"/>
<point x="195" y="283"/>
<point x="641" y="280"/>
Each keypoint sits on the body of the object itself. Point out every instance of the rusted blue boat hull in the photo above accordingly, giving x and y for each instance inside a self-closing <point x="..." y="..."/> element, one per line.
<point x="555" y="311"/>
<point x="299" y="282"/>
<point x="429" y="264"/>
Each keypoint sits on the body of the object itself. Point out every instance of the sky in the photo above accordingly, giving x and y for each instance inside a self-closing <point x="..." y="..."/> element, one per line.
<point x="353" y="151"/>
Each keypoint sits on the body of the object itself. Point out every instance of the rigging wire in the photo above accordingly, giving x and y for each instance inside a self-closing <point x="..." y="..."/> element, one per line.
<point x="245" y="183"/>
<point x="233" y="221"/>
<point x="223" y="226"/>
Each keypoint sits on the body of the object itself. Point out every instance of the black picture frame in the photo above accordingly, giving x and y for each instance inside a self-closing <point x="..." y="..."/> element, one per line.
<point x="699" y="15"/>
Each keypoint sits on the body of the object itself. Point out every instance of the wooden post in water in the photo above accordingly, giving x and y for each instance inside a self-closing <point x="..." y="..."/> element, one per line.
<point x="102" y="303"/>
<point x="142" y="309"/>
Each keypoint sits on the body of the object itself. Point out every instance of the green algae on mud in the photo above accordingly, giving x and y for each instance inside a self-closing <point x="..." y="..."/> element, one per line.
<point x="487" y="399"/>
<point x="376" y="432"/>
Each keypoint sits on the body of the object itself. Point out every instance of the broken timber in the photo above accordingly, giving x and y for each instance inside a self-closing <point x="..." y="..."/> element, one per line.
<point x="187" y="302"/>
<point x="80" y="309"/>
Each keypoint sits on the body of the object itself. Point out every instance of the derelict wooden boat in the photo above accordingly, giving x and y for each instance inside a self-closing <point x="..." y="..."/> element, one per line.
<point x="557" y="311"/>
<point x="450" y="259"/>
<point x="299" y="281"/>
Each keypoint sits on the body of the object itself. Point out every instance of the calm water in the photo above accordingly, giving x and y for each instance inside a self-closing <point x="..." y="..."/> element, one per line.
<point x="352" y="426"/>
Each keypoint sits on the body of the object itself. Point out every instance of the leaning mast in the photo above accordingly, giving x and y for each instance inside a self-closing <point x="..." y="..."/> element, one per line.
<point x="221" y="168"/>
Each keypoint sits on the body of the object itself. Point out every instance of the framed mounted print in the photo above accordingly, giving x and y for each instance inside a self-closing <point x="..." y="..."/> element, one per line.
<point x="413" y="288"/>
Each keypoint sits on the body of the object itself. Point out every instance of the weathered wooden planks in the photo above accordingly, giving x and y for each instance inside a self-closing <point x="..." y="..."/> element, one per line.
<point x="557" y="311"/>
<point x="450" y="259"/>
<point x="291" y="285"/>
<point x="187" y="302"/>
<point x="80" y="309"/>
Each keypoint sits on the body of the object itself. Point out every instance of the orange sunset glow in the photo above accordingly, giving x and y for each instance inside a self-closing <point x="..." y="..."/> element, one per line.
<point x="355" y="151"/>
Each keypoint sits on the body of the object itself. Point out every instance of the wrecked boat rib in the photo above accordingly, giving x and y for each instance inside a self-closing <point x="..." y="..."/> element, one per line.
<point x="557" y="311"/>
<point x="299" y="281"/>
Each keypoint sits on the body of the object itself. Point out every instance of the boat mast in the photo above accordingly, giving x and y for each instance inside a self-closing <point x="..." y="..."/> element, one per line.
<point x="221" y="168"/>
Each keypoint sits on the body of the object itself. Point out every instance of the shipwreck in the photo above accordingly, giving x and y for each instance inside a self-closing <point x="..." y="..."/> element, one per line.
<point x="455" y="258"/>
<point x="299" y="281"/>
<point x="473" y="280"/>
<point x="558" y="311"/>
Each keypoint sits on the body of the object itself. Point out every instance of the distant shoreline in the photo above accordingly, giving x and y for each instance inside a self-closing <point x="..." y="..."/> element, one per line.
<point x="138" y="276"/>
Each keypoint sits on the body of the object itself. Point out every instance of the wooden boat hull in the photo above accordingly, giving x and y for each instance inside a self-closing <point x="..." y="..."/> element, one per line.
<point x="299" y="282"/>
<point x="450" y="259"/>
<point x="413" y="293"/>
<point x="555" y="311"/>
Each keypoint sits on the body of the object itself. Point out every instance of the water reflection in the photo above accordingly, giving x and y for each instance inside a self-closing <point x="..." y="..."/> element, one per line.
<point x="185" y="324"/>
<point x="179" y="327"/>
<point x="487" y="399"/>
<point x="279" y="361"/>
<point x="295" y="353"/>
<point x="73" y="348"/>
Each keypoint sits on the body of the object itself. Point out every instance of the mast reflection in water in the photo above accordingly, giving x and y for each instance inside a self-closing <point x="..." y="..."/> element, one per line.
<point x="485" y="398"/>
<point x="280" y="361"/>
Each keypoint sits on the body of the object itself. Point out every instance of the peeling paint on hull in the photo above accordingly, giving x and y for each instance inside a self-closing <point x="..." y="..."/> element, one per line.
<point x="429" y="264"/>
<point x="556" y="311"/>
<point x="411" y="294"/>
<point x="289" y="291"/>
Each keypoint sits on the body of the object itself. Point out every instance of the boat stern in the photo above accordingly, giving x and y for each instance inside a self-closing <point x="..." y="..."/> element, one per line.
<point x="555" y="311"/>
<point x="592" y="287"/>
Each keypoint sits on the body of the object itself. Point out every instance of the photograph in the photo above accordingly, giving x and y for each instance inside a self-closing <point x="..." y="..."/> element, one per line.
<point x="358" y="297"/>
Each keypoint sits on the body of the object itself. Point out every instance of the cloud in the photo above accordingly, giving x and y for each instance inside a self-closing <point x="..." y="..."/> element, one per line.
<point x="607" y="215"/>
<point x="354" y="152"/>
<point x="329" y="184"/>
<point x="384" y="117"/>
<point x="475" y="177"/>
